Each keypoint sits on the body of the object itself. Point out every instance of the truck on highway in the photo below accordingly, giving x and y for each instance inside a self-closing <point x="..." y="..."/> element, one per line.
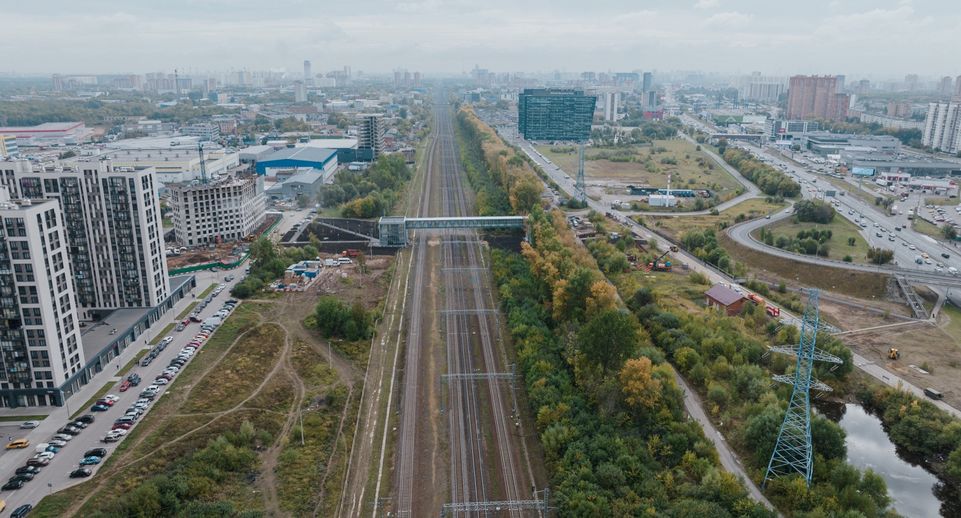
<point x="893" y="210"/>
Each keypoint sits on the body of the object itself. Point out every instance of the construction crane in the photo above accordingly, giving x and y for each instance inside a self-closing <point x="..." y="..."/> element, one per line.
<point x="657" y="265"/>
<point x="203" y="165"/>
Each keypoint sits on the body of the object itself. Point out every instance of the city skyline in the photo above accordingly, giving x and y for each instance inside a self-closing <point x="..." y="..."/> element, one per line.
<point x="440" y="37"/>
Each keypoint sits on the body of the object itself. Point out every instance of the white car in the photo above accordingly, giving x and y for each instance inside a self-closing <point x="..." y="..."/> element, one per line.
<point x="161" y="381"/>
<point x="49" y="455"/>
<point x="111" y="397"/>
<point x="63" y="437"/>
<point x="912" y="247"/>
<point x="58" y="443"/>
<point x="26" y="425"/>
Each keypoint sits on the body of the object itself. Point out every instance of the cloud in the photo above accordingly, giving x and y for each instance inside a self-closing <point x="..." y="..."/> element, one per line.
<point x="728" y="20"/>
<point x="706" y="4"/>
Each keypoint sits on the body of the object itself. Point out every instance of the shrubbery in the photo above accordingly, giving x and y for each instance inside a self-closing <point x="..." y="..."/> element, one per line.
<point x="771" y="181"/>
<point x="336" y="319"/>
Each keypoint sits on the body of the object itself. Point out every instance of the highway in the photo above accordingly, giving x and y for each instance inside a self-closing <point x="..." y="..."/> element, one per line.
<point x="869" y="367"/>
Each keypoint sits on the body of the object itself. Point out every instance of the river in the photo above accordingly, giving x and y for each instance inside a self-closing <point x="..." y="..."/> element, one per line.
<point x="912" y="488"/>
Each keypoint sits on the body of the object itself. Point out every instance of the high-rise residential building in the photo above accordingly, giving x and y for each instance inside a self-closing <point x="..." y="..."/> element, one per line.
<point x="957" y="88"/>
<point x="8" y="146"/>
<point x="647" y="84"/>
<point x="911" y="82"/>
<point x="555" y="114"/>
<point x="228" y="209"/>
<point x="946" y="88"/>
<point x="942" y="127"/>
<point x="57" y="83"/>
<point x="370" y="136"/>
<point x="113" y="231"/>
<point x="765" y="89"/>
<point x="39" y="329"/>
<point x="816" y="97"/>
<point x="300" y="92"/>
<point x="612" y="99"/>
<point x="308" y="75"/>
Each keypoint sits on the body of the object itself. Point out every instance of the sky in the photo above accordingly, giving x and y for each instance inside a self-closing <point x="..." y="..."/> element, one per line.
<point x="870" y="38"/>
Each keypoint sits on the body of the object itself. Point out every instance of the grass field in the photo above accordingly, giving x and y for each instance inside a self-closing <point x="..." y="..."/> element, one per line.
<point x="925" y="227"/>
<point x="645" y="168"/>
<point x="207" y="290"/>
<point x="841" y="230"/>
<point x="940" y="200"/>
<point x="864" y="195"/>
<point x="868" y="286"/>
<point x="21" y="418"/>
<point x="86" y="406"/>
<point x="183" y="314"/>
<point x="163" y="332"/>
<point x="952" y="328"/>
<point x="677" y="226"/>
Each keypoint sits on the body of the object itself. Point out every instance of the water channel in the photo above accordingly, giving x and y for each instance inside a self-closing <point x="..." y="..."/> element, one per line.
<point x="915" y="492"/>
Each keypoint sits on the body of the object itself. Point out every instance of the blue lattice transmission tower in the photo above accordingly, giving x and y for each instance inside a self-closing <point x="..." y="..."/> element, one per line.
<point x="793" y="452"/>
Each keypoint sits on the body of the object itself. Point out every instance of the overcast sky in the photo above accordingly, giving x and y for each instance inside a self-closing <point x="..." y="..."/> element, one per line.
<point x="854" y="37"/>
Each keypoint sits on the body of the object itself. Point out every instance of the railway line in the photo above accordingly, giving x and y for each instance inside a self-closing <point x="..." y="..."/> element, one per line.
<point x="487" y="460"/>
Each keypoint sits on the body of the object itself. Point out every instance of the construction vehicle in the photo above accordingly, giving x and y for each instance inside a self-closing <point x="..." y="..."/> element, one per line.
<point x="894" y="353"/>
<point x="659" y="266"/>
<point x="674" y="248"/>
<point x="755" y="299"/>
<point x="774" y="311"/>
<point x="350" y="252"/>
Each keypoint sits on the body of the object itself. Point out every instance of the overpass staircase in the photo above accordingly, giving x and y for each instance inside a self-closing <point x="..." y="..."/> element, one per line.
<point x="917" y="305"/>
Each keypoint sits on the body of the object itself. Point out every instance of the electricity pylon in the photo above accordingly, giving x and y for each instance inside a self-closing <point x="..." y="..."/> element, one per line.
<point x="580" y="190"/>
<point x="793" y="452"/>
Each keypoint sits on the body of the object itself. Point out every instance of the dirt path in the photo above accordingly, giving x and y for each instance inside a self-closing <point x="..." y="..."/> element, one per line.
<point x="268" y="468"/>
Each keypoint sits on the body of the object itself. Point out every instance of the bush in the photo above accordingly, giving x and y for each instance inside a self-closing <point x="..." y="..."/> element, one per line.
<point x="335" y="319"/>
<point x="814" y="211"/>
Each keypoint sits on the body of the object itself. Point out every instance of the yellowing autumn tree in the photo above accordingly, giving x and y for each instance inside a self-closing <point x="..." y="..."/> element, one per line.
<point x="641" y="390"/>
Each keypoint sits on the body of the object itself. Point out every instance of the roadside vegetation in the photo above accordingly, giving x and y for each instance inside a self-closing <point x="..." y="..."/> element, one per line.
<point x="268" y="263"/>
<point x="771" y="181"/>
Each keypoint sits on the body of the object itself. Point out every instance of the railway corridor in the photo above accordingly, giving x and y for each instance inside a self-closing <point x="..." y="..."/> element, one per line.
<point x="458" y="440"/>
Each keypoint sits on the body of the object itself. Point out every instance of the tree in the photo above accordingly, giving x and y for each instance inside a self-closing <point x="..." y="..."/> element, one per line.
<point x="949" y="232"/>
<point x="262" y="250"/>
<point x="641" y="390"/>
<point x="880" y="255"/>
<point x="814" y="211"/>
<point x="609" y="338"/>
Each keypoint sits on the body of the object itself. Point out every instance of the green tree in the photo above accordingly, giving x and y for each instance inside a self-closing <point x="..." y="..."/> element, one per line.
<point x="949" y="232"/>
<point x="609" y="338"/>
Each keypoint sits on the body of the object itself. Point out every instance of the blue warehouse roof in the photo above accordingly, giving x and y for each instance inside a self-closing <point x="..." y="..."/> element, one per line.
<point x="298" y="156"/>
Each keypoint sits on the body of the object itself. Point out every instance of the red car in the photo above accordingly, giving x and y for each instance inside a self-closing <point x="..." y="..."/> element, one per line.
<point x="104" y="402"/>
<point x="124" y="385"/>
<point x="125" y="426"/>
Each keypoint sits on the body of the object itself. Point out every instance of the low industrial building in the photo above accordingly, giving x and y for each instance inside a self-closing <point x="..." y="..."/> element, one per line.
<point x="49" y="134"/>
<point x="321" y="159"/>
<point x="885" y="163"/>
<point x="175" y="160"/>
<point x="725" y="299"/>
<point x="825" y="143"/>
<point x="346" y="147"/>
<point x="303" y="182"/>
<point x="227" y="209"/>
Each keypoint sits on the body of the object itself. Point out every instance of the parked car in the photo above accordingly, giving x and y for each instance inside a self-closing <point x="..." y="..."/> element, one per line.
<point x="105" y="402"/>
<point x="38" y="462"/>
<point x="27" y="469"/>
<point x="78" y="424"/>
<point x="26" y="425"/>
<point x="21" y="511"/>
<point x="90" y="461"/>
<point x="80" y="473"/>
<point x="26" y="477"/>
<point x="122" y="426"/>
<point x="124" y="385"/>
<point x="58" y="443"/>
<point x="63" y="437"/>
<point x="86" y="418"/>
<point x="14" y="484"/>
<point x="180" y="327"/>
<point x="45" y="455"/>
<point x="161" y="381"/>
<point x="70" y="430"/>
<point x="99" y="408"/>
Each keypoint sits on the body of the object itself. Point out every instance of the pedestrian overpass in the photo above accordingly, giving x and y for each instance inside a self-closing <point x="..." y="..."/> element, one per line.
<point x="393" y="229"/>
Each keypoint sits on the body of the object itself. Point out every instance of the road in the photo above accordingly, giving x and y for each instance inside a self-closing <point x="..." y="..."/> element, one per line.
<point x="692" y="403"/>
<point x="715" y="276"/>
<point x="53" y="477"/>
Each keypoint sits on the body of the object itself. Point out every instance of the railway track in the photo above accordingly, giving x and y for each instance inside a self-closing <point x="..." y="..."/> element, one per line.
<point x="485" y="460"/>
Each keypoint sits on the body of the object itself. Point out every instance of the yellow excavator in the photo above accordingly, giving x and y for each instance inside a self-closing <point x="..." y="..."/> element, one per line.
<point x="894" y="353"/>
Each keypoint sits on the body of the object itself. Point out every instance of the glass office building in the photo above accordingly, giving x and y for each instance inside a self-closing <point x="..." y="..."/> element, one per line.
<point x="555" y="114"/>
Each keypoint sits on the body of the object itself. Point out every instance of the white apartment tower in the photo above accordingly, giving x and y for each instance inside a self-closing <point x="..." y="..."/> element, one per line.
<point x="39" y="329"/>
<point x="113" y="230"/>
<point x="942" y="127"/>
<point x="227" y="209"/>
<point x="370" y="136"/>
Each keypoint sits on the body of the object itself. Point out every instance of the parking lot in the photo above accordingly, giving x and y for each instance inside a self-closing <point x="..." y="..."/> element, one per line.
<point x="106" y="426"/>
